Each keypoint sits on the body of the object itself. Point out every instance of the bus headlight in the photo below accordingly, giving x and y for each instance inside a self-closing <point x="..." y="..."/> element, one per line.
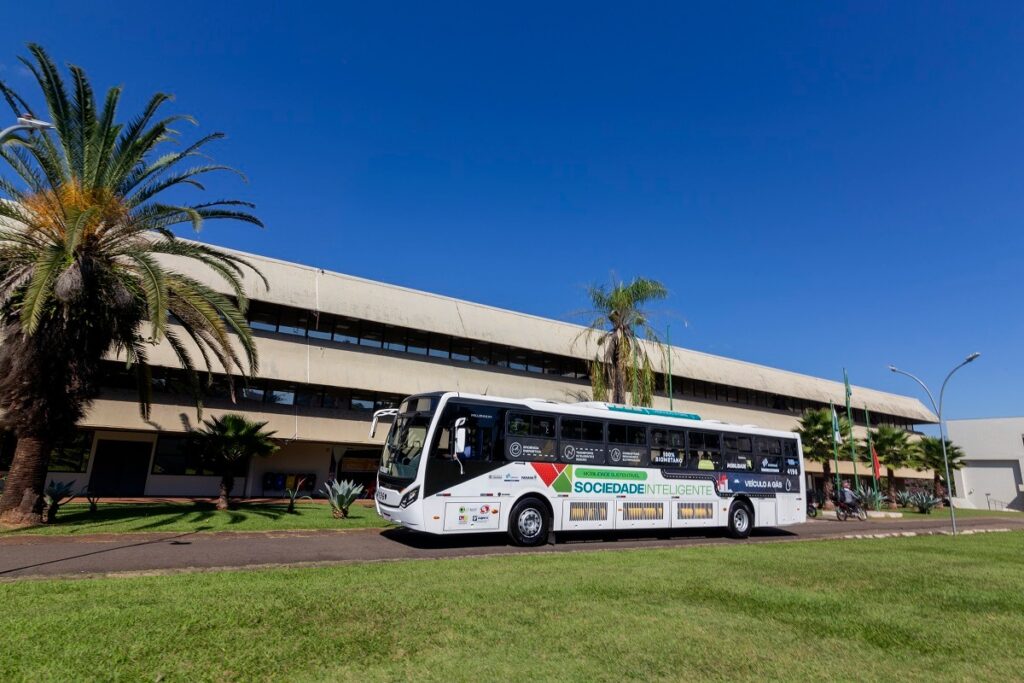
<point x="410" y="497"/>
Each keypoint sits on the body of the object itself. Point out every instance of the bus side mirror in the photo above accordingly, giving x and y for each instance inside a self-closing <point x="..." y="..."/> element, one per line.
<point x="460" y="442"/>
<point x="460" y="436"/>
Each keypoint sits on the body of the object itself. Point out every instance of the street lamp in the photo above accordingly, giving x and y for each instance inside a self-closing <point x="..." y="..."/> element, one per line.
<point x="25" y="122"/>
<point x="942" y="429"/>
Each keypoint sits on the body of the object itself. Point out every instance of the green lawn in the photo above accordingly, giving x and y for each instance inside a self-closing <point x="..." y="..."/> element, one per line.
<point x="75" y="519"/>
<point x="923" y="608"/>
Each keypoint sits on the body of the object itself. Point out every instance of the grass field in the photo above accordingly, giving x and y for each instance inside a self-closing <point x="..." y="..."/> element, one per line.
<point x="924" y="608"/>
<point x="75" y="519"/>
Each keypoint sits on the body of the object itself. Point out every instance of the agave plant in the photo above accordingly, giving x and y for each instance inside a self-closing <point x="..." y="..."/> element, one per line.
<point x="904" y="498"/>
<point x="55" y="495"/>
<point x="923" y="501"/>
<point x="873" y="500"/>
<point x="341" y="495"/>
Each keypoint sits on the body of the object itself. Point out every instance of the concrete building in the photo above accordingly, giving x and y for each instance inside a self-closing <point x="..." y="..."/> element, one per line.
<point x="335" y="347"/>
<point x="994" y="456"/>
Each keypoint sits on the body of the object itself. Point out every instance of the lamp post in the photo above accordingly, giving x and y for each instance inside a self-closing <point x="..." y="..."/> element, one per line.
<point x="942" y="428"/>
<point x="25" y="122"/>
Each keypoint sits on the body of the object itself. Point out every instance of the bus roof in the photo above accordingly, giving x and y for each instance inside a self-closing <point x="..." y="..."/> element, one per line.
<point x="625" y="413"/>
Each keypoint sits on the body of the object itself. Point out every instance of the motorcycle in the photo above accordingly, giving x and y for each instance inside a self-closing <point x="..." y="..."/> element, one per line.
<point x="844" y="511"/>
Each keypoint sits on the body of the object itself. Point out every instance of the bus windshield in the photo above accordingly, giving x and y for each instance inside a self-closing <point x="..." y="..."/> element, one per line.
<point x="404" y="446"/>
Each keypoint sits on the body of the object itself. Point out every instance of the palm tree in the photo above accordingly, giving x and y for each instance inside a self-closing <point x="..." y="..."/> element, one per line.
<point x="618" y="320"/>
<point x="816" y="440"/>
<point x="224" y="442"/>
<point x="87" y="265"/>
<point x="895" y="450"/>
<point x="929" y="457"/>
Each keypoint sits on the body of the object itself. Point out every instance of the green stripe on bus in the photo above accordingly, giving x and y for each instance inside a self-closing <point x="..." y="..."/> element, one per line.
<point x="652" y="411"/>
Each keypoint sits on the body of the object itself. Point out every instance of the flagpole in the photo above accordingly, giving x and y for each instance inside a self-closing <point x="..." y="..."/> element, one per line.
<point x="849" y="417"/>
<point x="835" y="443"/>
<point x="871" y="449"/>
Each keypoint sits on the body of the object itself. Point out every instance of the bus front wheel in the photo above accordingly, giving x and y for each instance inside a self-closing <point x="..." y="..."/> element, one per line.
<point x="528" y="524"/>
<point x="741" y="520"/>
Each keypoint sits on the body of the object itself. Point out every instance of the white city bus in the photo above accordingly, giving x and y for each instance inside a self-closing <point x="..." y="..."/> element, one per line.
<point x="460" y="463"/>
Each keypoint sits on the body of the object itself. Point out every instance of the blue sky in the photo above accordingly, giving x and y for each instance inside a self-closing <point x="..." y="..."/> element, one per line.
<point x="819" y="185"/>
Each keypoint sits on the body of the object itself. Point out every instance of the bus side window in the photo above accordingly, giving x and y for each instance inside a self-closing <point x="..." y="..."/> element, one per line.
<point x="484" y="440"/>
<point x="705" y="450"/>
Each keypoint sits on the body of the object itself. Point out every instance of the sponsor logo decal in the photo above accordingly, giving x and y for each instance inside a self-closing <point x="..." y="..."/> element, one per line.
<point x="515" y="449"/>
<point x="566" y="479"/>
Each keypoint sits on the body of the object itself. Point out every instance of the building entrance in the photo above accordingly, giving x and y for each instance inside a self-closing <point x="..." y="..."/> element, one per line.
<point x="120" y="468"/>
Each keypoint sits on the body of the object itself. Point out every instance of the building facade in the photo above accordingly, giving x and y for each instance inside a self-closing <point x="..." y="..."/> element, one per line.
<point x="994" y="460"/>
<point x="334" y="348"/>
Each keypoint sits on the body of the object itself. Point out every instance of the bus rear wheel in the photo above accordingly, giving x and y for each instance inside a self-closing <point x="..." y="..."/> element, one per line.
<point x="741" y="520"/>
<point x="528" y="525"/>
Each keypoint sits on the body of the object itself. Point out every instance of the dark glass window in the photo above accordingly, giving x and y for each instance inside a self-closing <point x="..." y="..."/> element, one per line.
<point x="460" y="350"/>
<point x="383" y="402"/>
<point x="252" y="393"/>
<point x="372" y="335"/>
<point x="499" y="356"/>
<point x="335" y="399"/>
<point x="535" y="363"/>
<point x="321" y="326"/>
<point x="346" y="331"/>
<point x="705" y="451"/>
<point x="293" y="322"/>
<point x="394" y="338"/>
<point x="766" y="446"/>
<point x="362" y="404"/>
<point x="516" y="359"/>
<point x="177" y="455"/>
<point x="526" y="424"/>
<point x="282" y="396"/>
<point x="263" y="317"/>
<point x="440" y="346"/>
<point x="417" y="342"/>
<point x="582" y="430"/>
<point x="632" y="435"/>
<point x="72" y="455"/>
<point x="480" y="353"/>
<point x="308" y="397"/>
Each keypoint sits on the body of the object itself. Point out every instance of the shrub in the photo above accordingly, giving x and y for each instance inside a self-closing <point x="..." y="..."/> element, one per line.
<point x="341" y="495"/>
<point x="294" y="493"/>
<point x="903" y="498"/>
<point x="924" y="501"/>
<point x="56" y="494"/>
<point x="93" y="498"/>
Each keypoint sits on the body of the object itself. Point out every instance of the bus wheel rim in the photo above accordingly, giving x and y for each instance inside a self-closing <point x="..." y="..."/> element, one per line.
<point x="740" y="519"/>
<point x="530" y="523"/>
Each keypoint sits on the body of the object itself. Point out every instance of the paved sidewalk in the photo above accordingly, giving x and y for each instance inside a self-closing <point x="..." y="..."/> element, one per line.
<point x="36" y="556"/>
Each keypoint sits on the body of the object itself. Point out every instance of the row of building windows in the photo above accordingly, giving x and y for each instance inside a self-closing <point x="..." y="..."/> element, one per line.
<point x="324" y="327"/>
<point x="248" y="392"/>
<point x="69" y="455"/>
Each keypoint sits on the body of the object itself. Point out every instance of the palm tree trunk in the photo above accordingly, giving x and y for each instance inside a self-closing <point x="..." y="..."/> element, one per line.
<point x="891" y="477"/>
<point x="22" y="500"/>
<point x="618" y="375"/>
<point x="226" y="482"/>
<point x="826" y="467"/>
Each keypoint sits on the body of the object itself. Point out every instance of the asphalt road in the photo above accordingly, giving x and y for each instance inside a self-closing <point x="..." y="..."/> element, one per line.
<point x="39" y="556"/>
